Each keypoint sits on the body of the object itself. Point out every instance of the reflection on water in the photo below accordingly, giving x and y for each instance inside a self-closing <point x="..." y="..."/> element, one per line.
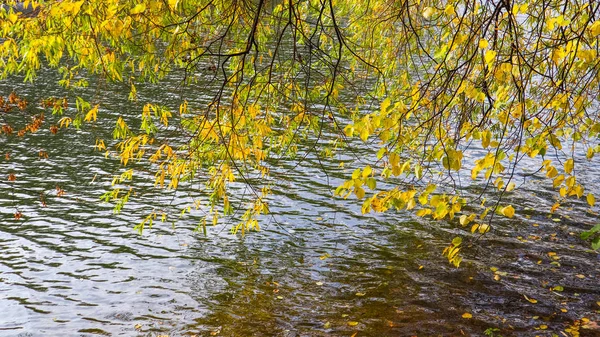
<point x="319" y="268"/>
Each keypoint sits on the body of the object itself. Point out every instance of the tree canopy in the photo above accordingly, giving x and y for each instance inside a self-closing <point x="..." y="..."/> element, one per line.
<point x="434" y="92"/>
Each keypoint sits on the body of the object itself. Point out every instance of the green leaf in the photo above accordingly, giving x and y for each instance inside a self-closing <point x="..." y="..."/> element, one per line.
<point x="589" y="233"/>
<point x="371" y="183"/>
<point x="596" y="243"/>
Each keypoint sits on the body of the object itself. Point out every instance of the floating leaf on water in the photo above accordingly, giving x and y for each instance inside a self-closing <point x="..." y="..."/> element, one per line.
<point x="563" y="310"/>
<point x="532" y="300"/>
<point x="558" y="288"/>
<point x="581" y="276"/>
<point x="467" y="315"/>
<point x="319" y="283"/>
<point x="543" y="327"/>
<point x="324" y="256"/>
<point x="138" y="326"/>
<point x="327" y="325"/>
<point x="352" y="323"/>
<point x="360" y="294"/>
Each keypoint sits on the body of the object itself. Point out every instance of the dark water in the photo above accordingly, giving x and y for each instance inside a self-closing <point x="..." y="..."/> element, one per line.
<point x="317" y="268"/>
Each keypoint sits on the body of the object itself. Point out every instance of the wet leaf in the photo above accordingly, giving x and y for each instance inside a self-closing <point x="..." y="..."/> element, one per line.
<point x="532" y="300"/>
<point x="352" y="323"/>
<point x="467" y="315"/>
<point x="360" y="294"/>
<point x="558" y="288"/>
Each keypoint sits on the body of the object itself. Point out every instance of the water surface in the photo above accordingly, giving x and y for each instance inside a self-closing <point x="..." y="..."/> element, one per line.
<point x="317" y="268"/>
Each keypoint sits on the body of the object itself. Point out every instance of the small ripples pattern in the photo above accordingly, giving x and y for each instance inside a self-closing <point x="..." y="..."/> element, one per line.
<point x="318" y="267"/>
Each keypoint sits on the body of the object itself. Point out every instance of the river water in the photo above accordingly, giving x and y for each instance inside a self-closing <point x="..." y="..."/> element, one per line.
<point x="317" y="268"/>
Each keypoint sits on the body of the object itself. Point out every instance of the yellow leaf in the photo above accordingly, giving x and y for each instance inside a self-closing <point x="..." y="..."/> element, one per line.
<point x="384" y="106"/>
<point x="360" y="193"/>
<point x="367" y="171"/>
<point x="483" y="43"/>
<point x="423" y="212"/>
<point x="91" y="114"/>
<point x="595" y="28"/>
<point x="532" y="300"/>
<point x="427" y="12"/>
<point x="173" y="3"/>
<point x="467" y="315"/>
<point x="490" y="55"/>
<point x="591" y="200"/>
<point x="449" y="10"/>
<point x="484" y="228"/>
<point x="139" y="8"/>
<point x="510" y="186"/>
<point x="508" y="211"/>
<point x="561" y="21"/>
<point x="12" y="17"/>
<point x="352" y="323"/>
<point x="562" y="191"/>
<point x="569" y="166"/>
<point x="364" y="134"/>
